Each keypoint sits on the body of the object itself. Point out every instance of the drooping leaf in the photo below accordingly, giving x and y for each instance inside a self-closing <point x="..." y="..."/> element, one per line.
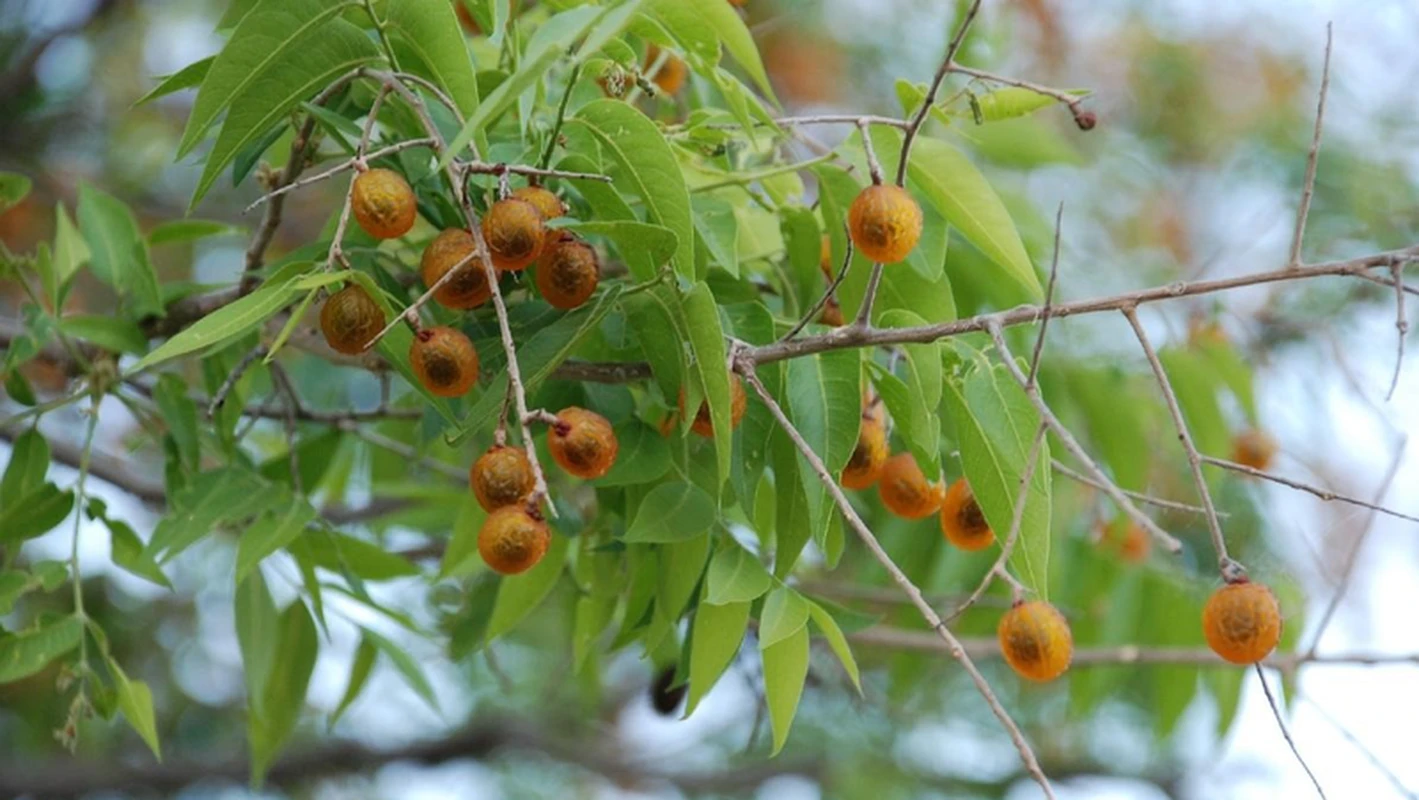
<point x="118" y="253"/>
<point x="35" y="514"/>
<point x="271" y="532"/>
<point x="25" y="653"/>
<point x="135" y="700"/>
<point x="785" y="670"/>
<point x="828" y="626"/>
<point x="360" y="668"/>
<point x="785" y="612"/>
<point x="284" y="693"/>
<point x="672" y="512"/>
<point x="518" y="595"/>
<point x="29" y="463"/>
<point x="189" y="76"/>
<point x="714" y="640"/>
<point x="707" y="342"/>
<point x="14" y="187"/>
<point x="735" y="576"/>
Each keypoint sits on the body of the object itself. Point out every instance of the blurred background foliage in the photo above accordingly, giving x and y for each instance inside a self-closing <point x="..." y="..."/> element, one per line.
<point x="1193" y="172"/>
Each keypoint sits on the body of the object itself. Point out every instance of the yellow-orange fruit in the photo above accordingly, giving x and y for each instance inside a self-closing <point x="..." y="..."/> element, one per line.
<point x="501" y="477"/>
<point x="885" y="223"/>
<point x="825" y="258"/>
<point x="962" y="522"/>
<point x="350" y="319"/>
<point x="583" y="443"/>
<point x="383" y="203"/>
<point x="568" y="272"/>
<point x="469" y="287"/>
<point x="1133" y="545"/>
<point x="514" y="230"/>
<point x="865" y="466"/>
<point x="444" y="361"/>
<point x="738" y="404"/>
<point x="546" y="203"/>
<point x="1035" y="640"/>
<point x="670" y="78"/>
<point x="1242" y="622"/>
<point x="512" y="541"/>
<point x="905" y="491"/>
<point x="1254" y="448"/>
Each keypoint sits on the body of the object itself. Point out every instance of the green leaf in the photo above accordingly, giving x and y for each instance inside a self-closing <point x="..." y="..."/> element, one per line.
<point x="360" y="670"/>
<point x="518" y="595"/>
<point x="717" y="22"/>
<point x="273" y="29"/>
<point x="1009" y="102"/>
<point x="648" y="168"/>
<point x="735" y="576"/>
<point x="707" y="342"/>
<point x="1196" y="381"/>
<point x="672" y="512"/>
<point x="14" y="187"/>
<point x="644" y="245"/>
<point x="951" y="183"/>
<point x="28" y="652"/>
<point x="407" y="667"/>
<point x="785" y="670"/>
<point x="785" y="613"/>
<point x="681" y="565"/>
<point x="995" y="426"/>
<point x="118" y="254"/>
<point x="341" y="553"/>
<point x="210" y="500"/>
<point x="644" y="456"/>
<point x="187" y="230"/>
<point x="429" y="31"/>
<point x="70" y="252"/>
<point x="271" y="532"/>
<point x="913" y="401"/>
<point x="230" y="321"/>
<point x="834" y="634"/>
<point x="718" y="229"/>
<point x="129" y="554"/>
<point x="135" y="700"/>
<point x="283" y="695"/>
<point x="29" y="463"/>
<point x="13" y="586"/>
<point x="189" y="76"/>
<point x="654" y="315"/>
<point x="268" y="97"/>
<point x="111" y="333"/>
<point x="257" y="630"/>
<point x="35" y="514"/>
<point x="825" y="401"/>
<point x="715" y="639"/>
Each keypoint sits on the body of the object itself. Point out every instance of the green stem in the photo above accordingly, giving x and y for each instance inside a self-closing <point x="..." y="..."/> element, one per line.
<point x="76" y="575"/>
<point x="561" y="114"/>
<point x="383" y="37"/>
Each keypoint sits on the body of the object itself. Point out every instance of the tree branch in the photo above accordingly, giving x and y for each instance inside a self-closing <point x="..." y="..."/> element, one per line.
<point x="918" y="119"/>
<point x="1308" y="189"/>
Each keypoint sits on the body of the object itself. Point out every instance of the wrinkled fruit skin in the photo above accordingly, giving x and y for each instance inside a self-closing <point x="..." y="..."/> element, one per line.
<point x="469" y="288"/>
<point x="865" y="466"/>
<point x="568" y="272"/>
<point x="514" y="231"/>
<point x="383" y="204"/>
<point x="1242" y="622"/>
<point x="350" y="319"/>
<point x="583" y="443"/>
<point x="1035" y="640"/>
<point x="547" y="204"/>
<point x="703" y="425"/>
<point x="1254" y="448"/>
<point x="905" y="491"/>
<point x="444" y="361"/>
<point x="512" y="541"/>
<point x="501" y="477"/>
<point x="885" y="223"/>
<point x="670" y="78"/>
<point x="962" y="521"/>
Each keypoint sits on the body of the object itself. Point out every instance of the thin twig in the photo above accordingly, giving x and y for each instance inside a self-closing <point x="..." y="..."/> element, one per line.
<point x="337" y="251"/>
<point x="1230" y="569"/>
<point x="1286" y="734"/>
<point x="1060" y="468"/>
<point x="1084" y="119"/>
<point x="1347" y="570"/>
<point x="546" y="160"/>
<point x="874" y="167"/>
<point x="502" y="170"/>
<point x="349" y="163"/>
<point x="827" y="295"/>
<point x="1324" y="494"/>
<point x="220" y="398"/>
<point x="953" y="646"/>
<point x="863" y="322"/>
<point x="1308" y="190"/>
<point x="406" y="452"/>
<point x="918" y="119"/>
<point x="1022" y="495"/>
<point x="293" y="404"/>
<point x="1401" y="324"/>
<point x="1364" y="749"/>
<point x="1168" y="542"/>
<point x="1049" y="297"/>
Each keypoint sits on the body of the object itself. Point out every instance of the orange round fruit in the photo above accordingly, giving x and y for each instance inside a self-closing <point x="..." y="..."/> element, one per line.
<point x="1254" y="448"/>
<point x="865" y="466"/>
<point x="670" y="78"/>
<point x="512" y="541"/>
<point x="383" y="203"/>
<point x="885" y="223"/>
<point x="548" y="204"/>
<point x="1035" y="640"/>
<point x="350" y="319"/>
<point x="1242" y="622"/>
<point x="703" y="423"/>
<point x="514" y="231"/>
<point x="501" y="477"/>
<point x="444" y="361"/>
<point x="962" y="521"/>
<point x="469" y="287"/>
<point x="905" y="491"/>
<point x="568" y="272"/>
<point x="583" y="443"/>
